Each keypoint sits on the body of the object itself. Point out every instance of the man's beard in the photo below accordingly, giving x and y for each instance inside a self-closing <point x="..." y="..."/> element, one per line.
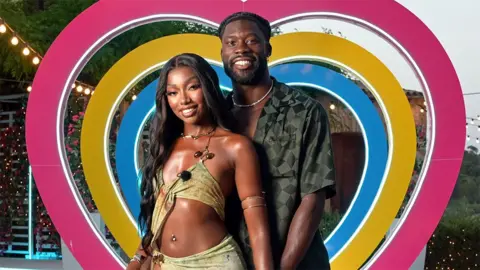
<point x="247" y="77"/>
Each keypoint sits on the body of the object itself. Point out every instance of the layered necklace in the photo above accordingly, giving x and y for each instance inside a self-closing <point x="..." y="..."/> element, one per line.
<point x="205" y="153"/>
<point x="195" y="137"/>
<point x="254" y="103"/>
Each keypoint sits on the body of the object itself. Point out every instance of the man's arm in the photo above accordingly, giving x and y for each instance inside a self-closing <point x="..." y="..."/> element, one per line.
<point x="302" y="229"/>
<point x="316" y="184"/>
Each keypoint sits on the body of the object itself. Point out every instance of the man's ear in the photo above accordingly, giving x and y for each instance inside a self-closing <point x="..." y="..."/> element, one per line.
<point x="269" y="49"/>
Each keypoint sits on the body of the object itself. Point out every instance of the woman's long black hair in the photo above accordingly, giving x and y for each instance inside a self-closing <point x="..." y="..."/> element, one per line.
<point x="167" y="127"/>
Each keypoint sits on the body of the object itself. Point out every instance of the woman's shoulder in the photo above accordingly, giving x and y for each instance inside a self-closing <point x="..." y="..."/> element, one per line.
<point x="234" y="141"/>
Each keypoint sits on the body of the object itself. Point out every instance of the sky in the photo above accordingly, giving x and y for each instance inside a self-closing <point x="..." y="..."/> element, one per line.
<point x="453" y="23"/>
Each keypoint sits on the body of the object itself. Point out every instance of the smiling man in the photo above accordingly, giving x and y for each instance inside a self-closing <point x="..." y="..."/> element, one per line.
<point x="291" y="134"/>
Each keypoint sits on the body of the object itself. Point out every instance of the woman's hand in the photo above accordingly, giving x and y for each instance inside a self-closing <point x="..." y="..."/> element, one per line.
<point x="144" y="264"/>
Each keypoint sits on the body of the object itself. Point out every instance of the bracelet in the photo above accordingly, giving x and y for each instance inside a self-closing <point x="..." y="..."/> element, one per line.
<point x="137" y="257"/>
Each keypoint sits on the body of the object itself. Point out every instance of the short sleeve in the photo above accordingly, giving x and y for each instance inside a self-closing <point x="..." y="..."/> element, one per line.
<point x="317" y="167"/>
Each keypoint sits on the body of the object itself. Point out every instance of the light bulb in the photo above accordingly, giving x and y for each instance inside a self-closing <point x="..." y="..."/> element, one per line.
<point x="468" y="137"/>
<point x="3" y="28"/>
<point x="477" y="141"/>
<point x="471" y="122"/>
<point x="29" y="89"/>
<point x="134" y="97"/>
<point x="422" y="110"/>
<point x="87" y="91"/>
<point x="332" y="106"/>
<point x="36" y="60"/>
<point x="26" y="51"/>
<point x="73" y="85"/>
<point x="79" y="88"/>
<point x="14" y="41"/>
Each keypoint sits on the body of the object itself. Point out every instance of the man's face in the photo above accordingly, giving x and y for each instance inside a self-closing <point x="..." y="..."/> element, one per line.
<point x="244" y="52"/>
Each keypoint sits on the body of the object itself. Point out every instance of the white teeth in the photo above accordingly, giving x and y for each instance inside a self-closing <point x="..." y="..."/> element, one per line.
<point x="188" y="111"/>
<point x="242" y="63"/>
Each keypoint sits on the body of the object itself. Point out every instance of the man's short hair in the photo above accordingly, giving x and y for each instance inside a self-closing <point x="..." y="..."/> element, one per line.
<point x="261" y="22"/>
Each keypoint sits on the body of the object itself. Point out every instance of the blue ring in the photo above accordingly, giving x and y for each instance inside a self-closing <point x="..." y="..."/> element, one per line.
<point x="347" y="92"/>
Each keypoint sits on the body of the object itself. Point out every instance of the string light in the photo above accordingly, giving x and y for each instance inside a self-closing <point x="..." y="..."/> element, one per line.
<point x="332" y="106"/>
<point x="14" y="41"/>
<point x="134" y="97"/>
<point x="27" y="49"/>
<point x="87" y="91"/>
<point x="36" y="60"/>
<point x="29" y="89"/>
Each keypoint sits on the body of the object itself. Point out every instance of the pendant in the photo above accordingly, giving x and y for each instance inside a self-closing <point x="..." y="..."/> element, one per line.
<point x="197" y="154"/>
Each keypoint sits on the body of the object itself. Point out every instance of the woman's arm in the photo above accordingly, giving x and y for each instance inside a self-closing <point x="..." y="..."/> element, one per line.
<point x="249" y="186"/>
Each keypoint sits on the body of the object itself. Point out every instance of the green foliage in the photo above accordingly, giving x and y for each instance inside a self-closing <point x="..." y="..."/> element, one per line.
<point x="456" y="242"/>
<point x="41" y="27"/>
<point x="468" y="183"/>
<point x="329" y="222"/>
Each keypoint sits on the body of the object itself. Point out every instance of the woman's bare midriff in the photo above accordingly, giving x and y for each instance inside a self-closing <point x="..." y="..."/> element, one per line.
<point x="195" y="226"/>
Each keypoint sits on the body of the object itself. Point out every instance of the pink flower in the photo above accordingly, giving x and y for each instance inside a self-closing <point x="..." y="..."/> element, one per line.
<point x="75" y="118"/>
<point x="75" y="142"/>
<point x="69" y="149"/>
<point x="81" y="113"/>
<point x="70" y="126"/>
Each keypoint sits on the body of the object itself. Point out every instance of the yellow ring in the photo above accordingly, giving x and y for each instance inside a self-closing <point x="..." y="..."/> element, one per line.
<point x="147" y="58"/>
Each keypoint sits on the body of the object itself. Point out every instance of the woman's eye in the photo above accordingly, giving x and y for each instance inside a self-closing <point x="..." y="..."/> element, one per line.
<point x="171" y="93"/>
<point x="195" y="87"/>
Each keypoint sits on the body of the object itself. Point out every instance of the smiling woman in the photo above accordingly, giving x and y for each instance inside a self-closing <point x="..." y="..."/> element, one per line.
<point x="194" y="163"/>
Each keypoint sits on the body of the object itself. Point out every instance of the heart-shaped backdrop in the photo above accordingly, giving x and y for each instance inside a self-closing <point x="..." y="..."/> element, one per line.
<point x="106" y="19"/>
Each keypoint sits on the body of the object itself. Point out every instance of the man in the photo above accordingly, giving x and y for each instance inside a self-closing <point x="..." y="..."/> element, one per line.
<point x="292" y="137"/>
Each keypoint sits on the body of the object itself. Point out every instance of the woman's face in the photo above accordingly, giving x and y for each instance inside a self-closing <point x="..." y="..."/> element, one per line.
<point x="185" y="95"/>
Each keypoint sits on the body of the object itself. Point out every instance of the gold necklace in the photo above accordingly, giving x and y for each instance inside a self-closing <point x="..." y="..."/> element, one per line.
<point x="195" y="137"/>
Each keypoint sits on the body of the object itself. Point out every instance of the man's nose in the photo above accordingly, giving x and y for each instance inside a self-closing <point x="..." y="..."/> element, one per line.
<point x="242" y="48"/>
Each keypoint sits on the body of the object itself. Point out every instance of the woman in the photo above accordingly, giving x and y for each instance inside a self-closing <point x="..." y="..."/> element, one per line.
<point x="194" y="163"/>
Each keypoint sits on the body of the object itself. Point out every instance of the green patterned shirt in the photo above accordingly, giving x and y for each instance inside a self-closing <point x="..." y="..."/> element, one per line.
<point x="292" y="139"/>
